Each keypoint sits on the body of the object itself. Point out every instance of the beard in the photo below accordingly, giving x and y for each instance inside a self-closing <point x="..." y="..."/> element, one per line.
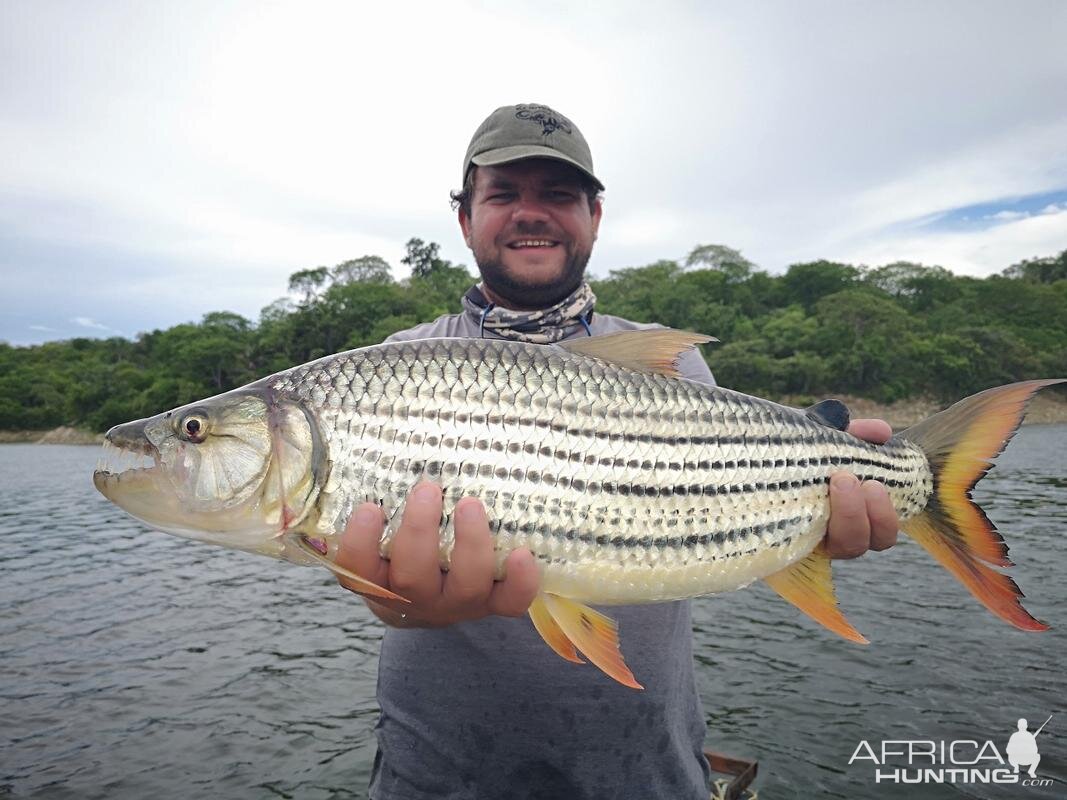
<point x="529" y="295"/>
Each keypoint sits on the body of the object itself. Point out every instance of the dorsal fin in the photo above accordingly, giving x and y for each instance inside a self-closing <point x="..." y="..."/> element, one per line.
<point x="655" y="350"/>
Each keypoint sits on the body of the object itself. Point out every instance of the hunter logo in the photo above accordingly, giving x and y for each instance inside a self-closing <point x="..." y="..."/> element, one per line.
<point x="920" y="761"/>
<point x="550" y="120"/>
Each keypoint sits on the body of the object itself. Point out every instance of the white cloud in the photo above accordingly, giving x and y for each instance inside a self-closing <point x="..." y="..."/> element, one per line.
<point x="43" y="329"/>
<point x="92" y="324"/>
<point x="202" y="153"/>
<point x="981" y="252"/>
<point x="1007" y="216"/>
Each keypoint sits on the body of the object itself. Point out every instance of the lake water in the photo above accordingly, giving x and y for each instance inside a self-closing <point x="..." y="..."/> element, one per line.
<point x="135" y="664"/>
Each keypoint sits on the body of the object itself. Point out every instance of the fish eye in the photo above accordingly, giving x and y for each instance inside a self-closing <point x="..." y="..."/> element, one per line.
<point x="193" y="427"/>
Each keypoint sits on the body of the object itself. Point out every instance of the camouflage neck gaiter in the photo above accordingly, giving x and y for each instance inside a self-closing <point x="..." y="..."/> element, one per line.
<point x="543" y="326"/>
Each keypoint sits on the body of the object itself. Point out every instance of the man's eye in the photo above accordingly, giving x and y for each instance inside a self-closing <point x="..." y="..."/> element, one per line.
<point x="500" y="197"/>
<point x="562" y="194"/>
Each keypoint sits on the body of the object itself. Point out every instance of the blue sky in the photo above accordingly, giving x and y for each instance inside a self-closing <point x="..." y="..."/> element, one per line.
<point x="160" y="161"/>
<point x="1001" y="211"/>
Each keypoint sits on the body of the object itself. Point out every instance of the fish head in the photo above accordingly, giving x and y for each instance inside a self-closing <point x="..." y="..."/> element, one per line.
<point x="238" y="469"/>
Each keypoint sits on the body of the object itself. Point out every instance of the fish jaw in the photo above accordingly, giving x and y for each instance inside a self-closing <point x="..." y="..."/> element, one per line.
<point x="236" y="470"/>
<point x="146" y="494"/>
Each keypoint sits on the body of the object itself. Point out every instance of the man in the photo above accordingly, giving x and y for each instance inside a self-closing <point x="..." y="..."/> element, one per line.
<point x="1022" y="749"/>
<point x="473" y="702"/>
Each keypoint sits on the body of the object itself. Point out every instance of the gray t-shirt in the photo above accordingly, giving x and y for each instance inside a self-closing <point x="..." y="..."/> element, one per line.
<point x="485" y="709"/>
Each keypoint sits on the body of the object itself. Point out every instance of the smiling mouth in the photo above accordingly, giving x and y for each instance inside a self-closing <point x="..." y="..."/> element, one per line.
<point x="523" y="244"/>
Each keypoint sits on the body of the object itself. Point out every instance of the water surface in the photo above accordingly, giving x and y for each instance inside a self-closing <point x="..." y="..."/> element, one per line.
<point x="136" y="664"/>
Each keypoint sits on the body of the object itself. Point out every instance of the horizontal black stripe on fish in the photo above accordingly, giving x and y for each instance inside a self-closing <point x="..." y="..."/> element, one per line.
<point x="448" y="441"/>
<point x="811" y="433"/>
<point x="448" y="469"/>
<point x="673" y="543"/>
<point x="437" y="467"/>
<point x="812" y="436"/>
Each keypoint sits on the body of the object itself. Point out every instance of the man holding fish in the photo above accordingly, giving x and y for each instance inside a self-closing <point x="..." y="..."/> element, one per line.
<point x="473" y="704"/>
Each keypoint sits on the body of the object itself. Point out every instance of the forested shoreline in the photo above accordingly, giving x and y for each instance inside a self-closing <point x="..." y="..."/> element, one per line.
<point x="821" y="328"/>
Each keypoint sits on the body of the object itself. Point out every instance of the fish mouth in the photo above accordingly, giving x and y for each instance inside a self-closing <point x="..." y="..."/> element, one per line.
<point x="128" y="460"/>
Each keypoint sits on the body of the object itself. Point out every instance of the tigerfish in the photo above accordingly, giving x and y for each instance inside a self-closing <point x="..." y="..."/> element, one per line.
<point x="628" y="483"/>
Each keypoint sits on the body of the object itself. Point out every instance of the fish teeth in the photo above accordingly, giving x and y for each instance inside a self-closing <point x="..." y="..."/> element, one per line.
<point x="114" y="459"/>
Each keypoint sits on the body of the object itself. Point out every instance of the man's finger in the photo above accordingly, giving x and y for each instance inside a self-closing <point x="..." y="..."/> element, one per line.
<point x="358" y="548"/>
<point x="414" y="564"/>
<point x="871" y="430"/>
<point x="882" y="515"/>
<point x="849" y="533"/>
<point x="512" y="596"/>
<point x="470" y="577"/>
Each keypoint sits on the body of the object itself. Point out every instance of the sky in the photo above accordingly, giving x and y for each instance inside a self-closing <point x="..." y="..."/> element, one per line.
<point x="162" y="160"/>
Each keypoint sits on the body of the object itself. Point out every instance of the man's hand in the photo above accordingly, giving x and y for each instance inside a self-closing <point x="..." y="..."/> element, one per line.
<point x="862" y="517"/>
<point x="467" y="591"/>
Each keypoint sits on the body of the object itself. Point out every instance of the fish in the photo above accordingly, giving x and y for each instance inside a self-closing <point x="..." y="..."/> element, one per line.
<point x="627" y="482"/>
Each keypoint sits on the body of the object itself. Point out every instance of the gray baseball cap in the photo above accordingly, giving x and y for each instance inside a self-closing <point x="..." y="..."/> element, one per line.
<point x="528" y="130"/>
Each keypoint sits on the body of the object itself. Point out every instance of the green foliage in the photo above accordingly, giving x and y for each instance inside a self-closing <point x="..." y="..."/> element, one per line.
<point x="307" y="282"/>
<point x="734" y="266"/>
<point x="821" y="328"/>
<point x="1040" y="270"/>
<point x="809" y="283"/>
<point x="423" y="258"/>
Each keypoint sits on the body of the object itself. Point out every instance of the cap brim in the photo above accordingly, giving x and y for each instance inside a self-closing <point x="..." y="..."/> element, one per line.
<point x="506" y="155"/>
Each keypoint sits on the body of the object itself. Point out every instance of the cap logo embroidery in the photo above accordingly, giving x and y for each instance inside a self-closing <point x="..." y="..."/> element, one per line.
<point x="550" y="120"/>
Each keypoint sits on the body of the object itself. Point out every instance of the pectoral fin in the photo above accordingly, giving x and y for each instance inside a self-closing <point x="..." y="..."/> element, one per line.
<point x="809" y="586"/>
<point x="567" y="626"/>
<point x="362" y="585"/>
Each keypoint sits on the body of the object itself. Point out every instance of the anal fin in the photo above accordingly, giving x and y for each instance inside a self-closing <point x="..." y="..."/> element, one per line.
<point x="551" y="632"/>
<point x="572" y="627"/>
<point x="809" y="586"/>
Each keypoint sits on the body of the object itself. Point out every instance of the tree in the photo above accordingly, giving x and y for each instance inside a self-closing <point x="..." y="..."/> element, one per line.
<point x="810" y="282"/>
<point x="719" y="257"/>
<point x="365" y="269"/>
<point x="865" y="339"/>
<point x="226" y="321"/>
<point x="308" y="282"/>
<point x="423" y="257"/>
<point x="1040" y="270"/>
<point x="823" y="327"/>
<point x="919" y="287"/>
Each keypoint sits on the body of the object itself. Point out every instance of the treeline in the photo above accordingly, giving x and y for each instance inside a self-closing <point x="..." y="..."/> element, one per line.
<point x="820" y="328"/>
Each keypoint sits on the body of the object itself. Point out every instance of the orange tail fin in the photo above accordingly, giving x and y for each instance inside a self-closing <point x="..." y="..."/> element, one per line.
<point x="960" y="444"/>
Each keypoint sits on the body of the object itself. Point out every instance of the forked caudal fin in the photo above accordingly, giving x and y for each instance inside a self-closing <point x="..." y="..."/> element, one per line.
<point x="960" y="443"/>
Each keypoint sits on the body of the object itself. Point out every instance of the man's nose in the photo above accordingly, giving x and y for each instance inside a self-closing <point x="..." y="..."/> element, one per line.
<point x="530" y="209"/>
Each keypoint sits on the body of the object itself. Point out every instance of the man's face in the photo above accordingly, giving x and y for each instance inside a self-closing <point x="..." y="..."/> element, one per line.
<point x="531" y="231"/>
